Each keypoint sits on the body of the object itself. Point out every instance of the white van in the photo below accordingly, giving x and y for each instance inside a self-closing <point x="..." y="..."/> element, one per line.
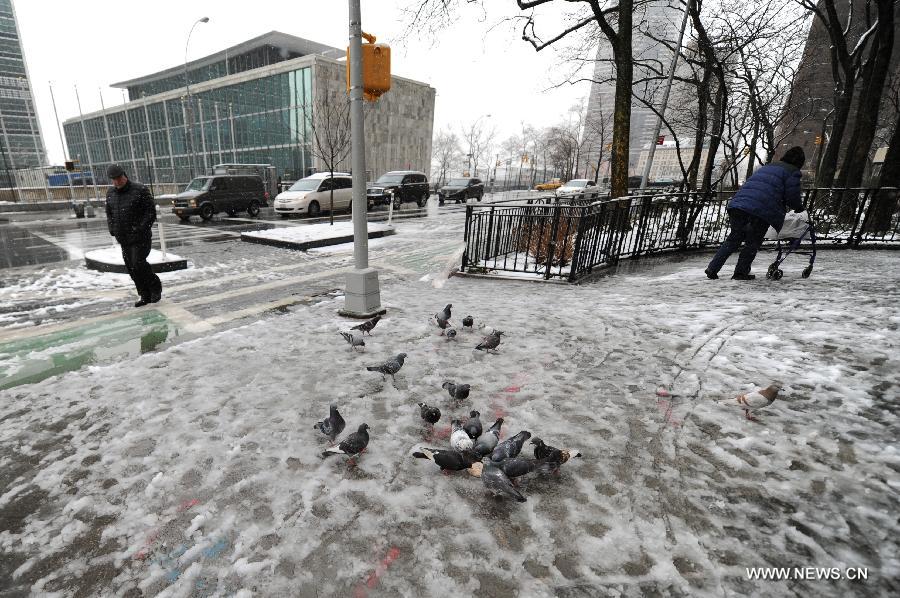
<point x="313" y="194"/>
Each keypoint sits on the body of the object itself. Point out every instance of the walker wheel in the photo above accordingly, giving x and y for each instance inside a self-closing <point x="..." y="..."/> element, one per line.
<point x="806" y="271"/>
<point x="777" y="274"/>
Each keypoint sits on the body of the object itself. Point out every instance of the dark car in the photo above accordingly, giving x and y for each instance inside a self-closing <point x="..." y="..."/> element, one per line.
<point x="402" y="185"/>
<point x="460" y="190"/>
<point x="209" y="195"/>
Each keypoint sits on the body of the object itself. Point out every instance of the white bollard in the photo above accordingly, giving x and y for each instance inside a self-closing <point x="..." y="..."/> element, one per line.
<point x="391" y="208"/>
<point x="162" y="236"/>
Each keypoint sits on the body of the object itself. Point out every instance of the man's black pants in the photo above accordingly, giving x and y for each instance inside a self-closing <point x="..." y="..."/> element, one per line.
<point x="145" y="281"/>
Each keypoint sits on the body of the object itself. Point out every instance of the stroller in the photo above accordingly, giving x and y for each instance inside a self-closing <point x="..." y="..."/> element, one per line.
<point x="797" y="228"/>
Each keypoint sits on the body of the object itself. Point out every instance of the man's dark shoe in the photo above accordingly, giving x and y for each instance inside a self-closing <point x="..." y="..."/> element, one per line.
<point x="711" y="275"/>
<point x="142" y="302"/>
<point x="743" y="277"/>
<point x="155" y="297"/>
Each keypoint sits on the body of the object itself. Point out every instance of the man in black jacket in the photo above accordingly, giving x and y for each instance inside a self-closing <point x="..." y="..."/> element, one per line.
<point x="130" y="214"/>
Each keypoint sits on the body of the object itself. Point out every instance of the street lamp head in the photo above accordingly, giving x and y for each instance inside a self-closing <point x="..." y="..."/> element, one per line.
<point x="204" y="20"/>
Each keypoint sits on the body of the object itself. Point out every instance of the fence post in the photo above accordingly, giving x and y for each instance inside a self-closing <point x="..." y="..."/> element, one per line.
<point x="857" y="228"/>
<point x="465" y="255"/>
<point x="490" y="235"/>
<point x="576" y="250"/>
<point x="551" y="249"/>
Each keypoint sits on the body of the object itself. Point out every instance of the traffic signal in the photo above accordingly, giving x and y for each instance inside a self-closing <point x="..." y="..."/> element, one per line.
<point x="660" y="139"/>
<point x="818" y="140"/>
<point x="376" y="67"/>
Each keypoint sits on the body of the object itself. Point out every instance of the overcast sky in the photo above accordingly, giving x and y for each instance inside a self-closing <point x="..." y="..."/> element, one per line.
<point x="476" y="69"/>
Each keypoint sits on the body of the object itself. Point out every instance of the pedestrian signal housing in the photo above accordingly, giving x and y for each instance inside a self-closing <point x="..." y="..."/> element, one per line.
<point x="376" y="68"/>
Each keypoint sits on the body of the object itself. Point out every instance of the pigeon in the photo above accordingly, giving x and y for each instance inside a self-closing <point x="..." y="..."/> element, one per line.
<point x="497" y="482"/>
<point x="443" y="324"/>
<point x="353" y="340"/>
<point x="513" y="468"/>
<point x="488" y="441"/>
<point x="448" y="459"/>
<point x="451" y="334"/>
<point x="332" y="425"/>
<point x="473" y="425"/>
<point x="459" y="392"/>
<point x="389" y="367"/>
<point x="490" y="342"/>
<point x="444" y="314"/>
<point x="430" y="414"/>
<point x="368" y="325"/>
<point x="352" y="445"/>
<point x="757" y="399"/>
<point x="511" y="447"/>
<point x="552" y="455"/>
<point x="459" y="439"/>
<point x="468" y="322"/>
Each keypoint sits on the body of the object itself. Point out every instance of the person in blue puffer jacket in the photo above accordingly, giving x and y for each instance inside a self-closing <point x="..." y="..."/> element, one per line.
<point x="760" y="203"/>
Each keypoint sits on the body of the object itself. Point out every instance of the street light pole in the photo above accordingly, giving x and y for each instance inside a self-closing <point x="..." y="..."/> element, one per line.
<point x="189" y="138"/>
<point x="362" y="297"/>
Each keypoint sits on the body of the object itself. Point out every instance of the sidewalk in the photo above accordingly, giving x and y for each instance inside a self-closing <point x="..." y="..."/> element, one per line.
<point x="195" y="471"/>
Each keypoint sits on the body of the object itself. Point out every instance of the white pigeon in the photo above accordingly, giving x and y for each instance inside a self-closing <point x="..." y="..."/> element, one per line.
<point x="757" y="399"/>
<point x="459" y="439"/>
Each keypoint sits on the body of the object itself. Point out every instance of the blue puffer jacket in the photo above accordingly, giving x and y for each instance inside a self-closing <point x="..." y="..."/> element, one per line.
<point x="769" y="192"/>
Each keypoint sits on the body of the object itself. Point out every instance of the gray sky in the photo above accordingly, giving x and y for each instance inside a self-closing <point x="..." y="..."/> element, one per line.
<point x="97" y="42"/>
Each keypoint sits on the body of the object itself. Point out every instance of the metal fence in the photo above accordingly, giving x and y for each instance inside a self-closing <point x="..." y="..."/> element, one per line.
<point x="567" y="238"/>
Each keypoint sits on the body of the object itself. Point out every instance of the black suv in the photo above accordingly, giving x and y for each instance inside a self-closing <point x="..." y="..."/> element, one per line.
<point x="208" y="195"/>
<point x="461" y="190"/>
<point x="402" y="185"/>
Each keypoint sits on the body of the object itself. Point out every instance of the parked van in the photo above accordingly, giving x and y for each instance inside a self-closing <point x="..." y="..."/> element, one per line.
<point x="313" y="194"/>
<point x="209" y="195"/>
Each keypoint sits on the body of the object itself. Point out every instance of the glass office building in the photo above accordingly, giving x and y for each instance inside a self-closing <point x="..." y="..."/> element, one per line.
<point x="21" y="145"/>
<point x="249" y="104"/>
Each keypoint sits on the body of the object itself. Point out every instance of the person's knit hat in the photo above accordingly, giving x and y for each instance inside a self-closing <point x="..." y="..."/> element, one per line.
<point x="794" y="156"/>
<point x="114" y="171"/>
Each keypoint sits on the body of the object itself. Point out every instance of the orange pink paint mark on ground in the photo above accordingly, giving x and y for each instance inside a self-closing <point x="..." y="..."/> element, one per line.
<point x="362" y="590"/>
<point x="665" y="407"/>
<point x="145" y="550"/>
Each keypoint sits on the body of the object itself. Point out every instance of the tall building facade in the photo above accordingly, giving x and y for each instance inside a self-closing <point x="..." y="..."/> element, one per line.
<point x="21" y="145"/>
<point x="655" y="20"/>
<point x="252" y="103"/>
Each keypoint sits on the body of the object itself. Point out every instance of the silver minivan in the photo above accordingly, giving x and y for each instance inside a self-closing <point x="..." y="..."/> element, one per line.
<point x="314" y="194"/>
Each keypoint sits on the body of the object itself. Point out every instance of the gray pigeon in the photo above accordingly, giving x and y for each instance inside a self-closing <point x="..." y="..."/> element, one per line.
<point x="460" y="392"/>
<point x="389" y="367"/>
<point x="488" y="441"/>
<point x="444" y="314"/>
<point x="352" y="445"/>
<point x="468" y="322"/>
<point x="353" y="340"/>
<point x="367" y="326"/>
<point x="473" y="425"/>
<point x="430" y="414"/>
<point x="511" y="447"/>
<point x="490" y="342"/>
<point x="331" y="426"/>
<point x="451" y="334"/>
<point x="443" y="324"/>
<point x="448" y="459"/>
<point x="514" y="468"/>
<point x="552" y="456"/>
<point x="498" y="482"/>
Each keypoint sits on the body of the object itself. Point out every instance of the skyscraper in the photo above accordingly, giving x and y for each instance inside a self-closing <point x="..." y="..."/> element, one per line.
<point x="653" y="21"/>
<point x="21" y="145"/>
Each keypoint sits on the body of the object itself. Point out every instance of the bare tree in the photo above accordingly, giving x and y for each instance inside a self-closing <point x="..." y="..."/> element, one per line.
<point x="331" y="133"/>
<point x="444" y="155"/>
<point x="477" y="141"/>
<point x="596" y="137"/>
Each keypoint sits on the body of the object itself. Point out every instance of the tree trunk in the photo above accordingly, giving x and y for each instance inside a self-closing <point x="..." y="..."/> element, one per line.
<point x="885" y="200"/>
<point x="700" y="136"/>
<point x="622" y="52"/>
<point x="873" y="81"/>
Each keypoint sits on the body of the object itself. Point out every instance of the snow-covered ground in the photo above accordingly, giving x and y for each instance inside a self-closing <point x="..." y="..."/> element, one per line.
<point x="196" y="471"/>
<point x="313" y="232"/>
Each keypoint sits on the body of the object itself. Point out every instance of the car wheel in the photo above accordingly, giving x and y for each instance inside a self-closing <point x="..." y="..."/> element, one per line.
<point x="440" y="201"/>
<point x="314" y="209"/>
<point x="207" y="211"/>
<point x="423" y="199"/>
<point x="397" y="202"/>
<point x="480" y="195"/>
<point x="253" y="209"/>
<point x="184" y="218"/>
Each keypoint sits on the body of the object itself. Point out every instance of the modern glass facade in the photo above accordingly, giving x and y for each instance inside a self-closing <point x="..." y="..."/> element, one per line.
<point x="255" y="121"/>
<point x="21" y="145"/>
<point x="245" y="61"/>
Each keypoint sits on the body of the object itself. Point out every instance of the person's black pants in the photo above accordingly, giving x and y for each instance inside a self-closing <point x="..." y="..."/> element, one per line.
<point x="746" y="228"/>
<point x="145" y="281"/>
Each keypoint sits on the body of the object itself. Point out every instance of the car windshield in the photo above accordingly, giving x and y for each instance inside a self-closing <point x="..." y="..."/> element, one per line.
<point x="198" y="184"/>
<point x="458" y="182"/>
<point x="305" y="185"/>
<point x="577" y="183"/>
<point x="386" y="179"/>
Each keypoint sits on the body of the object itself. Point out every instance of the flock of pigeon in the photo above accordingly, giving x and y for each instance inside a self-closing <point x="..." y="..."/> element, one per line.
<point x="481" y="453"/>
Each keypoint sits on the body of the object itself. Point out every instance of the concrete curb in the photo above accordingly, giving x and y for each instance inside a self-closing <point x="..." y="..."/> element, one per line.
<point x="304" y="245"/>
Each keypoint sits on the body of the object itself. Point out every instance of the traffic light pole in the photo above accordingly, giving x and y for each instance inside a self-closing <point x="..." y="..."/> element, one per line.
<point x="665" y="100"/>
<point x="362" y="297"/>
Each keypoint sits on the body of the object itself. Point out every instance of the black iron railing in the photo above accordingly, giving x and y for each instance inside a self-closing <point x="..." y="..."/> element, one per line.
<point x="569" y="237"/>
